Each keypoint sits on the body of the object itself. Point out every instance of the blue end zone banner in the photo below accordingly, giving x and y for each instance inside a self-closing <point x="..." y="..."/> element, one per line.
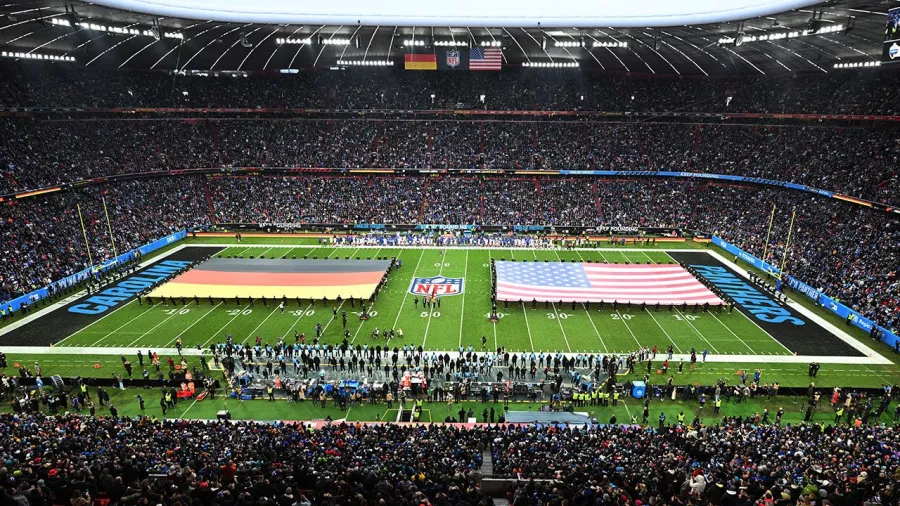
<point x="80" y="276"/>
<point x="820" y="298"/>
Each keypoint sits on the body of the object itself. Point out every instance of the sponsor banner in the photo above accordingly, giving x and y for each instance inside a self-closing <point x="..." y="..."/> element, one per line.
<point x="820" y="298"/>
<point x="369" y="226"/>
<point x="528" y="228"/>
<point x="438" y="226"/>
<point x="83" y="275"/>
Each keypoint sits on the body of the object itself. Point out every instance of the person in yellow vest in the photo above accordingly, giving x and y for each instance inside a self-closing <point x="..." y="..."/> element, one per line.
<point x="718" y="405"/>
<point x="681" y="418"/>
<point x="84" y="391"/>
<point x="595" y="397"/>
<point x="616" y="398"/>
<point x="390" y="400"/>
<point x="271" y="392"/>
<point x="839" y="413"/>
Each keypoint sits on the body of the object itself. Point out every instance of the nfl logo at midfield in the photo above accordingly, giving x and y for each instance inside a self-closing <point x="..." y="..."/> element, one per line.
<point x="453" y="58"/>
<point x="437" y="285"/>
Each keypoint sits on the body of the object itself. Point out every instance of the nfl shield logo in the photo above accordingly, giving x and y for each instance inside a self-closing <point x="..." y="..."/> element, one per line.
<point x="437" y="285"/>
<point x="453" y="58"/>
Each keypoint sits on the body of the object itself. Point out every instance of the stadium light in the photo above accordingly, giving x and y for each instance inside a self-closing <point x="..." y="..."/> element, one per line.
<point x="490" y="43"/>
<point x="449" y="43"/>
<point x="294" y="41"/>
<point x="603" y="43"/>
<point x="413" y="42"/>
<point x="554" y="65"/>
<point x="336" y="42"/>
<point x="856" y="65"/>
<point x="36" y="56"/>
<point x="784" y="35"/>
<point x="567" y="43"/>
<point x="365" y="63"/>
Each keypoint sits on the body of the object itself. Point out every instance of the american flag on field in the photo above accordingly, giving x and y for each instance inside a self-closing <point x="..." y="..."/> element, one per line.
<point x="485" y="59"/>
<point x="582" y="282"/>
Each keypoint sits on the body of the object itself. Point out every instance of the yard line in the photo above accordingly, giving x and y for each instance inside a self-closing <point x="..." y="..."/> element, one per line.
<point x="302" y="313"/>
<point x="402" y="303"/>
<point x="216" y="333"/>
<point x="691" y="325"/>
<point x="95" y="321"/>
<point x="332" y="253"/>
<point x="286" y="253"/>
<point x="664" y="331"/>
<point x="527" y="326"/>
<point x="333" y="317"/>
<point x="496" y="345"/>
<point x="263" y="253"/>
<point x="174" y="314"/>
<point x="258" y="326"/>
<point x="431" y="309"/>
<point x="122" y="326"/>
<point x="191" y="325"/>
<point x="561" y="327"/>
<point x="588" y="312"/>
<point x="462" y="313"/>
<point x="732" y="332"/>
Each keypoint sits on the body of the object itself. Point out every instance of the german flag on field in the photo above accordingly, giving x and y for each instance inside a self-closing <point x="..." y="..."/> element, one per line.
<point x="276" y="278"/>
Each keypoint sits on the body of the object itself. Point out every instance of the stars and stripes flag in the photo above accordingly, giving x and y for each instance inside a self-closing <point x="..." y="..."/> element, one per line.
<point x="485" y="58"/>
<point x="583" y="282"/>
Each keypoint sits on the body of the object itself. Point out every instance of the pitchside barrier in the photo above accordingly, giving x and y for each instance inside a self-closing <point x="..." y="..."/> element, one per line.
<point x="83" y="275"/>
<point x="820" y="298"/>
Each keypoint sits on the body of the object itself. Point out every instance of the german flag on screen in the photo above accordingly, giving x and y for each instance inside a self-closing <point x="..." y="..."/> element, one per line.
<point x="275" y="278"/>
<point x="420" y="62"/>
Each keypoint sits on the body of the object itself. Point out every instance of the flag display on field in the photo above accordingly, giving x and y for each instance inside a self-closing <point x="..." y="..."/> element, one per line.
<point x="420" y="62"/>
<point x="485" y="58"/>
<point x="584" y="282"/>
<point x="276" y="278"/>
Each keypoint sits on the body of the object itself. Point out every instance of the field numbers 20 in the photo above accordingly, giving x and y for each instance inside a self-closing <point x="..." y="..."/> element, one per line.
<point x="623" y="316"/>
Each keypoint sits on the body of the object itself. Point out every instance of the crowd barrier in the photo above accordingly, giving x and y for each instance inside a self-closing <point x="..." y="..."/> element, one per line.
<point x="813" y="294"/>
<point x="83" y="275"/>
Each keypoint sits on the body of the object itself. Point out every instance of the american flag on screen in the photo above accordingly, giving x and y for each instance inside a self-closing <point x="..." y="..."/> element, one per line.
<point x="485" y="59"/>
<point x="582" y="282"/>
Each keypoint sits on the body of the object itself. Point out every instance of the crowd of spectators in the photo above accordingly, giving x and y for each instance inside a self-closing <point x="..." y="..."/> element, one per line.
<point x="847" y="251"/>
<point x="855" y="161"/>
<point x="60" y="85"/>
<point x="77" y="460"/>
<point x="42" y="241"/>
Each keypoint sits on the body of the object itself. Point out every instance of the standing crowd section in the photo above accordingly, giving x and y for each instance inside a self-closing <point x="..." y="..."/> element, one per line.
<point x="78" y="461"/>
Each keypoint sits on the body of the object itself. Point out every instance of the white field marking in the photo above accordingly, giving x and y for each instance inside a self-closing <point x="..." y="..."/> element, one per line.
<point x="732" y="332"/>
<point x="874" y="356"/>
<point x="700" y="334"/>
<point x="258" y="326"/>
<point x="588" y="311"/>
<point x="719" y="359"/>
<point x="302" y="313"/>
<point x="462" y="313"/>
<point x="561" y="327"/>
<point x="402" y="303"/>
<point x="216" y="333"/>
<point x="431" y="309"/>
<point x="120" y="327"/>
<point x="663" y="329"/>
<point x="191" y="325"/>
<point x="423" y="246"/>
<point x="286" y="253"/>
<point x="173" y="315"/>
<point x="527" y="326"/>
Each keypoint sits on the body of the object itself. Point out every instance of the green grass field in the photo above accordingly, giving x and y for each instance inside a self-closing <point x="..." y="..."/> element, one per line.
<point x="460" y="321"/>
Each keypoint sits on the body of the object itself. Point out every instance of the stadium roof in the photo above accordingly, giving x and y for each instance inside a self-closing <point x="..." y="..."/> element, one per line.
<point x="847" y="31"/>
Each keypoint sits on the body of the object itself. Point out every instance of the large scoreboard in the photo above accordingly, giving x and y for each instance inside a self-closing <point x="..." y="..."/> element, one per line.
<point x="890" y="51"/>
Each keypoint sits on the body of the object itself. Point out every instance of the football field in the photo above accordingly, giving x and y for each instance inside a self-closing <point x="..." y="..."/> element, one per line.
<point x="461" y="320"/>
